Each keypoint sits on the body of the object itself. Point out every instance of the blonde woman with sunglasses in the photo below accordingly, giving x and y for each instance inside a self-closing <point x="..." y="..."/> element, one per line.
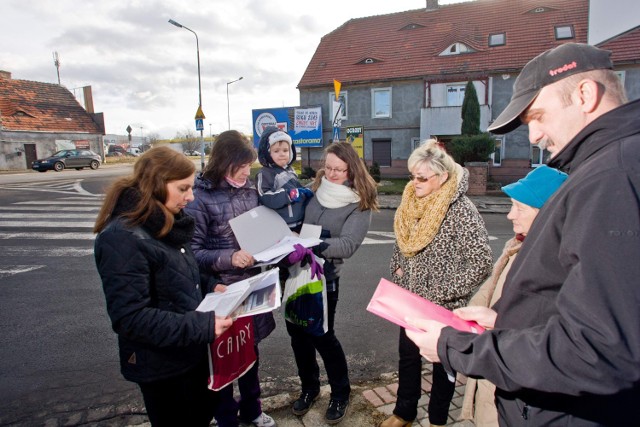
<point x="442" y="254"/>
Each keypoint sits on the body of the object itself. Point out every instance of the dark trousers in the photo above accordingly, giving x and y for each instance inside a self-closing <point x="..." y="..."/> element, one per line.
<point x="409" y="385"/>
<point x="182" y="400"/>
<point x="249" y="406"/>
<point x="304" y="350"/>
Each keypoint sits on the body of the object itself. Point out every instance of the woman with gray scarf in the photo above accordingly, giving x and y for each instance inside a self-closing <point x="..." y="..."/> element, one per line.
<point x="345" y="195"/>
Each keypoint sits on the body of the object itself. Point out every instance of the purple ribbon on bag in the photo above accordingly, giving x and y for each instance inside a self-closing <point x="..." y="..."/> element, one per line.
<point x="301" y="253"/>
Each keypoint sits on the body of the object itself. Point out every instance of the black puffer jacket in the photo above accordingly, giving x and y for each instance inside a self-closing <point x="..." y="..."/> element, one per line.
<point x="566" y="347"/>
<point x="152" y="288"/>
<point x="214" y="242"/>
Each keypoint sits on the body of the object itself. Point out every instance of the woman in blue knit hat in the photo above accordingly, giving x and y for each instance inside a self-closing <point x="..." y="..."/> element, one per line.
<point x="528" y="195"/>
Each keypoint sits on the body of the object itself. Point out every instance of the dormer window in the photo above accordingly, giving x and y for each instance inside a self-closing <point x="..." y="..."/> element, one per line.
<point x="368" y="60"/>
<point x="564" y="32"/>
<point x="499" y="39"/>
<point x="411" y="27"/>
<point x="540" y="9"/>
<point x="456" y="49"/>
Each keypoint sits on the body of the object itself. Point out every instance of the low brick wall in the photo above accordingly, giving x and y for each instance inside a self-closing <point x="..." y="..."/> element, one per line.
<point x="478" y="173"/>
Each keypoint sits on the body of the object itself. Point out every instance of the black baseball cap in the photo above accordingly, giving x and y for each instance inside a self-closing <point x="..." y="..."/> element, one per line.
<point x="548" y="67"/>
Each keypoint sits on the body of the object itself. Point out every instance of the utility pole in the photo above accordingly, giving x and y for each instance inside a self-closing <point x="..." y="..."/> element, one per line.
<point x="56" y="61"/>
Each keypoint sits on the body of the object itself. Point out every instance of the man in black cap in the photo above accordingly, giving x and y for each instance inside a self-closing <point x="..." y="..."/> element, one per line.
<point x="566" y="345"/>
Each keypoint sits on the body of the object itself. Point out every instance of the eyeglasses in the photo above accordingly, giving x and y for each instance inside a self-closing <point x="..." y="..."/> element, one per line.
<point x="421" y="178"/>
<point x="336" y="170"/>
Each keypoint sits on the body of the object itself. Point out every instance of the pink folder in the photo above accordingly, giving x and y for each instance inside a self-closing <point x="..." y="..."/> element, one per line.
<point x="394" y="303"/>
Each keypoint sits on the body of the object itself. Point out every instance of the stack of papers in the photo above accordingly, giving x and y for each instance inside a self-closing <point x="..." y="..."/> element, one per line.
<point x="266" y="236"/>
<point x="255" y="295"/>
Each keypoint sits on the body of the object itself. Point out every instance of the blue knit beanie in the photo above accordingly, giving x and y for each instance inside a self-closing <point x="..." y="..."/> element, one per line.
<point x="536" y="188"/>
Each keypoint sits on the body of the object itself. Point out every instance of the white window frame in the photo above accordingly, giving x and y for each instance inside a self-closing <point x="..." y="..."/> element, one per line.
<point x="539" y="160"/>
<point x="499" y="142"/>
<point x="344" y="96"/>
<point x="560" y="29"/>
<point x="494" y="39"/>
<point x="457" y="85"/>
<point x="456" y="48"/>
<point x="374" y="113"/>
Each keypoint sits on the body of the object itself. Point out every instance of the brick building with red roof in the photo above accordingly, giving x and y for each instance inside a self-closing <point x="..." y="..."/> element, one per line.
<point x="37" y="119"/>
<point x="403" y="74"/>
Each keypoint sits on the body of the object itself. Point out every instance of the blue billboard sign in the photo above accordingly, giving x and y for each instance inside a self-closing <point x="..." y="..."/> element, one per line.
<point x="304" y="124"/>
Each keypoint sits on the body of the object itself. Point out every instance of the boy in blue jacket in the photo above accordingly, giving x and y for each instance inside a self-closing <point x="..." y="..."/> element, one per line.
<point x="277" y="182"/>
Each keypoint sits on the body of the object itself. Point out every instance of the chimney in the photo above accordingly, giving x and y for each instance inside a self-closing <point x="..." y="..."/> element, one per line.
<point x="88" y="99"/>
<point x="5" y="75"/>
<point x="432" y="4"/>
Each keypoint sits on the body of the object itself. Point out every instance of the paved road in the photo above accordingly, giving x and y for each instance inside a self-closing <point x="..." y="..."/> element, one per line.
<point x="58" y="358"/>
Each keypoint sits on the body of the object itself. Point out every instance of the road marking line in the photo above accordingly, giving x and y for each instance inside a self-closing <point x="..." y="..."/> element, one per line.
<point x="47" y="208"/>
<point x="39" y="215"/>
<point x="60" y="202"/>
<point x="42" y="251"/>
<point x="47" y="236"/>
<point x="17" y="269"/>
<point x="47" y="224"/>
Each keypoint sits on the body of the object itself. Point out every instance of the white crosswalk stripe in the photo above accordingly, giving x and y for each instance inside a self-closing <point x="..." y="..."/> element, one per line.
<point x="25" y="226"/>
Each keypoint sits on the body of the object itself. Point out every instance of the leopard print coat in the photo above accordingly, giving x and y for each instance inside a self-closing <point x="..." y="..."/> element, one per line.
<point x="455" y="263"/>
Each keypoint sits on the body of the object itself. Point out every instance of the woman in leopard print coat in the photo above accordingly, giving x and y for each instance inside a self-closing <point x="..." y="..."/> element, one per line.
<point x="442" y="254"/>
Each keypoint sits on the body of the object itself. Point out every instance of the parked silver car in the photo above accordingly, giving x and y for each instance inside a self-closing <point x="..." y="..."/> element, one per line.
<point x="77" y="159"/>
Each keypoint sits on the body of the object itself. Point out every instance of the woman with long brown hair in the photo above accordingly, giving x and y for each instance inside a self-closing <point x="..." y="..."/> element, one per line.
<point x="152" y="288"/>
<point x="345" y="196"/>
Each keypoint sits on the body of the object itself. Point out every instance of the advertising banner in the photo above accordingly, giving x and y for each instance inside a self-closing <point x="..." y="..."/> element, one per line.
<point x="355" y="137"/>
<point x="304" y="124"/>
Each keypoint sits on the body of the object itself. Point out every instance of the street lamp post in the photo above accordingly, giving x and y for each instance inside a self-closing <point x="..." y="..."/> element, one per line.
<point x="228" y="113"/>
<point x="172" y="22"/>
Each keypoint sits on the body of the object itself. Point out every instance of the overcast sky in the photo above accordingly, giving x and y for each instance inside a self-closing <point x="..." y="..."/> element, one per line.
<point x="143" y="71"/>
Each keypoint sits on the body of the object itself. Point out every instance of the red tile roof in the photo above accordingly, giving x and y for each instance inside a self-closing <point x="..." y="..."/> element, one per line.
<point x="33" y="106"/>
<point x="625" y="47"/>
<point x="401" y="53"/>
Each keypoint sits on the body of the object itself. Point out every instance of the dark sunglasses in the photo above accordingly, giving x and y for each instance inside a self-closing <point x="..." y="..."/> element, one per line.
<point x="420" y="178"/>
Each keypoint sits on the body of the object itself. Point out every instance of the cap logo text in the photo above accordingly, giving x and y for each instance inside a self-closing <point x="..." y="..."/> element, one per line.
<point x="565" y="67"/>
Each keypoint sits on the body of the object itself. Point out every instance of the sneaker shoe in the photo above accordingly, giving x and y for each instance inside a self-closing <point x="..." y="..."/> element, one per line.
<point x="336" y="411"/>
<point x="264" y="420"/>
<point x="304" y="402"/>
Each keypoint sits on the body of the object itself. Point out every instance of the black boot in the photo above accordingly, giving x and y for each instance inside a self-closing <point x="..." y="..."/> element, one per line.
<point x="336" y="411"/>
<point x="304" y="402"/>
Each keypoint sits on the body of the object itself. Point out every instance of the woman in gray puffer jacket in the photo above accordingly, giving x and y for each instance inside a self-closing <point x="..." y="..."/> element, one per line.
<point x="222" y="192"/>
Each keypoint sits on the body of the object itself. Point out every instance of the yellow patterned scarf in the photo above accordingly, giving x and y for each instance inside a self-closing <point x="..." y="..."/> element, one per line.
<point x="418" y="220"/>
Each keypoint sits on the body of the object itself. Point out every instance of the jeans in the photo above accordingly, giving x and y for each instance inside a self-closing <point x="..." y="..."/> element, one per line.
<point x="409" y="385"/>
<point x="250" y="407"/>
<point x="181" y="400"/>
<point x="304" y="350"/>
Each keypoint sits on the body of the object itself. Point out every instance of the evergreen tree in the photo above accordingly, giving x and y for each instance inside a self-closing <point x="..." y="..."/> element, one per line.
<point x="470" y="111"/>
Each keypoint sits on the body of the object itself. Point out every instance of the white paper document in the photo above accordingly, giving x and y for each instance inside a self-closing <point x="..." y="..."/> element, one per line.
<point x="266" y="236"/>
<point x="255" y="295"/>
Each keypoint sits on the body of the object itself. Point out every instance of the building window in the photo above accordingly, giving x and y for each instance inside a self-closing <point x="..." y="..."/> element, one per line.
<point x="538" y="157"/>
<point x="620" y="74"/>
<point x="564" y="32"/>
<point x="456" y="49"/>
<point x="381" y="102"/>
<point x="497" y="154"/>
<point x="499" y="39"/>
<point x="455" y="95"/>
<point x="342" y="99"/>
<point x="382" y="152"/>
<point x="415" y="143"/>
